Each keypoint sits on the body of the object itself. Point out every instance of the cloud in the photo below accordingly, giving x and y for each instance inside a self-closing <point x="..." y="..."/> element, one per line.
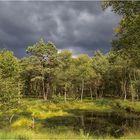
<point x="81" y="26"/>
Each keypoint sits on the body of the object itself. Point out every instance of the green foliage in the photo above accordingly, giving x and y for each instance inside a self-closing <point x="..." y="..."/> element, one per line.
<point x="128" y="31"/>
<point x="9" y="75"/>
<point x="100" y="63"/>
<point x="47" y="74"/>
<point x="126" y="45"/>
<point x="9" y="65"/>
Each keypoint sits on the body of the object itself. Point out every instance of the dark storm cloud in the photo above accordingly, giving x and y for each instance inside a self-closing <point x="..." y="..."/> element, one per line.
<point x="81" y="27"/>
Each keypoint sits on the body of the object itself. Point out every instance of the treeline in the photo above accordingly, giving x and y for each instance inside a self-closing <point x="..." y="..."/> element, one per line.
<point x="47" y="74"/>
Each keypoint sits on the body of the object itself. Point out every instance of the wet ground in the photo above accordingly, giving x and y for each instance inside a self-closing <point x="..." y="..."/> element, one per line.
<point x="95" y="123"/>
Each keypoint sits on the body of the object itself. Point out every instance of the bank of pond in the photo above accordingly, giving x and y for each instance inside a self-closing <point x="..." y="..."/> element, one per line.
<point x="102" y="118"/>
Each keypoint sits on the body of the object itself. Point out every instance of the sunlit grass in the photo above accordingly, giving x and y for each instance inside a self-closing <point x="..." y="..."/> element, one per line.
<point x="49" y="114"/>
<point x="99" y="105"/>
<point x="24" y="134"/>
<point x="49" y="134"/>
<point x="41" y="111"/>
<point x="22" y="122"/>
<point x="21" y="134"/>
<point x="132" y="106"/>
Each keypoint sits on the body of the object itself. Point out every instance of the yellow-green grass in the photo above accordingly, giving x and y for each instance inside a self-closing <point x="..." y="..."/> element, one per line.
<point x="20" y="127"/>
<point x="34" y="104"/>
<point x="24" y="134"/>
<point x="40" y="108"/>
<point x="132" y="106"/>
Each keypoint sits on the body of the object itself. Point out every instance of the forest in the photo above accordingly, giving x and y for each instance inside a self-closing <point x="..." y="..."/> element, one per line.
<point x="49" y="86"/>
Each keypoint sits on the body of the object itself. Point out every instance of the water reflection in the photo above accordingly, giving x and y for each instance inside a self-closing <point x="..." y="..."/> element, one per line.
<point x="94" y="123"/>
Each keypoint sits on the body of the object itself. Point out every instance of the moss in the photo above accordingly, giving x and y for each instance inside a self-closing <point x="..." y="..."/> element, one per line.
<point x="49" y="114"/>
<point x="22" y="122"/>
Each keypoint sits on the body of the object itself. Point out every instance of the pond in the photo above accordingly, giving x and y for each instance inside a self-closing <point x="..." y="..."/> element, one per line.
<point x="95" y="123"/>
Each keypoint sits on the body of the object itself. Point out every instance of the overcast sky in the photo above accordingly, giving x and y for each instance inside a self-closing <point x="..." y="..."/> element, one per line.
<point x="81" y="27"/>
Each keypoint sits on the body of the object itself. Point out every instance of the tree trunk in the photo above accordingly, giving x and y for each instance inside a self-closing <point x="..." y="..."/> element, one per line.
<point x="48" y="91"/>
<point x="134" y="73"/>
<point x="43" y="83"/>
<point x="82" y="90"/>
<point x="43" y="90"/>
<point x="124" y="90"/>
<point x="132" y="90"/>
<point x="125" y="84"/>
<point x="59" y="94"/>
<point x="29" y="89"/>
<point x="137" y="95"/>
<point x="10" y="120"/>
<point x="95" y="91"/>
<point x="82" y="121"/>
<point x="102" y="92"/>
<point x="65" y="94"/>
<point x="33" y="123"/>
<point x="91" y="95"/>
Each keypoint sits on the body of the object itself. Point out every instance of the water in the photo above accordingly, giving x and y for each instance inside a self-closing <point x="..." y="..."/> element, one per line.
<point x="94" y="123"/>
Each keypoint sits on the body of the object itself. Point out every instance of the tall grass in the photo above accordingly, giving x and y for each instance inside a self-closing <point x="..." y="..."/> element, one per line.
<point x="41" y="110"/>
<point x="23" y="134"/>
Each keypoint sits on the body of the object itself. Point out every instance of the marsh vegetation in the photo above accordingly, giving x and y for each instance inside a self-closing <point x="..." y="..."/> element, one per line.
<point x="103" y="118"/>
<point x="51" y="94"/>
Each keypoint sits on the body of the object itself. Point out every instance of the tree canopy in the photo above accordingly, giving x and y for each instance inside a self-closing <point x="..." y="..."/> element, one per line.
<point x="48" y="74"/>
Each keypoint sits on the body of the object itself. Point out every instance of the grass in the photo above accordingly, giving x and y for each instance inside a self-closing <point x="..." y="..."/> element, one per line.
<point x="42" y="111"/>
<point x="23" y="134"/>
<point x="132" y="106"/>
<point x="39" y="108"/>
<point x="98" y="105"/>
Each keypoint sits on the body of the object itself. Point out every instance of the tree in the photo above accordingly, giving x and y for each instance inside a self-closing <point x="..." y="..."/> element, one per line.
<point x="101" y="65"/>
<point x="64" y="71"/>
<point x="9" y="80"/>
<point x="126" y="43"/>
<point x="31" y="77"/>
<point x="47" y="56"/>
<point x="85" y="71"/>
<point x="127" y="33"/>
